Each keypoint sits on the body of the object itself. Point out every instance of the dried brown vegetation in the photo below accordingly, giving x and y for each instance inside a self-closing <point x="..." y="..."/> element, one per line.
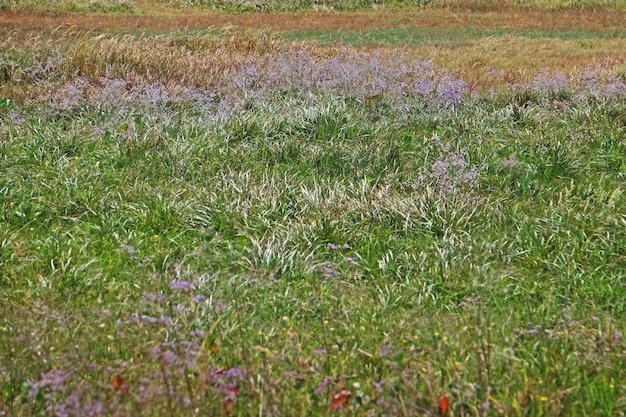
<point x="113" y="46"/>
<point x="166" y="19"/>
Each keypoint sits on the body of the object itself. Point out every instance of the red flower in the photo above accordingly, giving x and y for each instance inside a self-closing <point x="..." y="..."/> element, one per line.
<point x="120" y="385"/>
<point x="340" y="399"/>
<point x="118" y="381"/>
<point x="443" y="405"/>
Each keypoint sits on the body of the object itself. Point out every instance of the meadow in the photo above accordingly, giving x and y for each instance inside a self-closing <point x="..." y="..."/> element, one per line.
<point x="222" y="208"/>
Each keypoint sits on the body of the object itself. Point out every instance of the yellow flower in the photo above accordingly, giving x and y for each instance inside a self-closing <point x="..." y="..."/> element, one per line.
<point x="543" y="399"/>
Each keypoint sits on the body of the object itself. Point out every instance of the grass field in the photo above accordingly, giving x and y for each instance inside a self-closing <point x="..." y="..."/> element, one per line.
<point x="390" y="210"/>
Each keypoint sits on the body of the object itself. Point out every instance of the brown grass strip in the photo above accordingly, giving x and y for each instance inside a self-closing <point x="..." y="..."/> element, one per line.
<point x="513" y="19"/>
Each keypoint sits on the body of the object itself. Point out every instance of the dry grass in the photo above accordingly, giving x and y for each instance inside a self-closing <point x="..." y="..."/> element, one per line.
<point x="205" y="60"/>
<point x="113" y="46"/>
<point x="186" y="60"/>
<point x="171" y="60"/>
<point x="166" y="19"/>
<point x="510" y="55"/>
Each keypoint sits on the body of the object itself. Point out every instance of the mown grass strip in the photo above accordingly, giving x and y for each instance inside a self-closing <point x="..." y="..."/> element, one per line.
<point x="438" y="36"/>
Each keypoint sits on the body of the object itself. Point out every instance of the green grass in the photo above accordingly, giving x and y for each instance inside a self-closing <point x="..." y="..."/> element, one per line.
<point x="70" y="6"/>
<point x="496" y="281"/>
<point x="436" y="36"/>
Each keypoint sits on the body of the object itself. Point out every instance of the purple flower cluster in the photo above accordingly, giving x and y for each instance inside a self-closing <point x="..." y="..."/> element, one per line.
<point x="558" y="85"/>
<point x="400" y="80"/>
<point x="333" y="246"/>
<point x="351" y="73"/>
<point x="158" y="375"/>
<point x="226" y="381"/>
<point x="14" y="117"/>
<point x="546" y="84"/>
<point x="43" y="70"/>
<point x="181" y="285"/>
<point x="329" y="271"/>
<point x="120" y="95"/>
<point x="322" y="386"/>
<point x="451" y="174"/>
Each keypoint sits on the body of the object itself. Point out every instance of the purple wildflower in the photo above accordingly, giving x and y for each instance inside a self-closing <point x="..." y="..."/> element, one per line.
<point x="130" y="250"/>
<point x="54" y="379"/>
<point x="169" y="358"/>
<point x="235" y="373"/>
<point x="197" y="299"/>
<point x="148" y="319"/>
<point x="43" y="70"/>
<point x="378" y="386"/>
<point x="322" y="386"/>
<point x="451" y="90"/>
<point x="385" y="350"/>
<point x="329" y="270"/>
<point x="181" y="285"/>
<point x="149" y="297"/>
<point x="615" y="88"/>
<point x="179" y="308"/>
<point x="219" y="306"/>
<point x="231" y="391"/>
<point x="319" y="352"/>
<point x="34" y="390"/>
<point x="70" y="95"/>
<point x="197" y="333"/>
<point x="14" y="116"/>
